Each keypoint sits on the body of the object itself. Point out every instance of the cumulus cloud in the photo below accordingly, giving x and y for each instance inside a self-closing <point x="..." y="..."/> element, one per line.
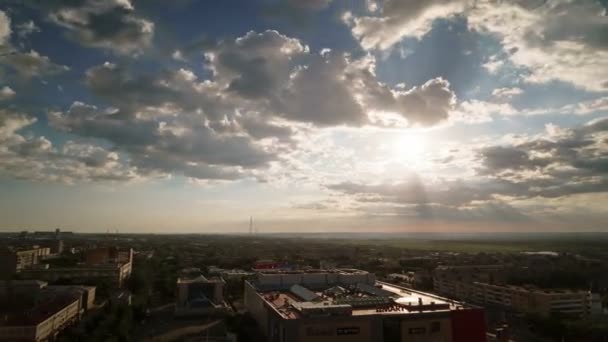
<point x="112" y="24"/>
<point x="571" y="161"/>
<point x="255" y="65"/>
<point x="6" y="93"/>
<point x="35" y="158"/>
<point x="25" y="64"/>
<point x="271" y="75"/>
<point x="264" y="87"/>
<point x="554" y="40"/>
<point x="279" y="76"/>
<point x="26" y="28"/>
<point x="32" y="64"/>
<point x="166" y="146"/>
<point x="398" y="19"/>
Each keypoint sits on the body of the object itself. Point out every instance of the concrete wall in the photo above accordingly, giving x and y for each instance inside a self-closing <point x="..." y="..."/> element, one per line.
<point x="256" y="306"/>
<point x="332" y="330"/>
<point x="426" y="330"/>
<point x="27" y="333"/>
<point x="59" y="321"/>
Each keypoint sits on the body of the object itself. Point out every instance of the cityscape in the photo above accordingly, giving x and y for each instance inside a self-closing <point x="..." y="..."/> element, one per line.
<point x="65" y="286"/>
<point x="304" y="170"/>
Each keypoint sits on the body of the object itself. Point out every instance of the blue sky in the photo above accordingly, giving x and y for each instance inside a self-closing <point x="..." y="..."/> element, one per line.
<point x="310" y="115"/>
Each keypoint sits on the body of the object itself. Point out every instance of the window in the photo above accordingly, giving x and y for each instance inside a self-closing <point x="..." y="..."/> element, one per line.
<point x="417" y="331"/>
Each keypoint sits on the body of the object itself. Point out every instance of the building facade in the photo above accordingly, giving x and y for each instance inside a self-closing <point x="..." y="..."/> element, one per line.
<point x="41" y="312"/>
<point x="461" y="283"/>
<point x="109" y="264"/>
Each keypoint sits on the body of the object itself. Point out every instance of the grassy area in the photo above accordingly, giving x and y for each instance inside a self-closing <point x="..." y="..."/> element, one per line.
<point x="477" y="246"/>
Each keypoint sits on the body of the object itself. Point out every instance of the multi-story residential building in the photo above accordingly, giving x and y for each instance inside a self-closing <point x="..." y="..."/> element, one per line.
<point x="41" y="313"/>
<point x="350" y="305"/>
<point x="544" y="302"/>
<point x="478" y="285"/>
<point x="16" y="259"/>
<point x="108" y="264"/>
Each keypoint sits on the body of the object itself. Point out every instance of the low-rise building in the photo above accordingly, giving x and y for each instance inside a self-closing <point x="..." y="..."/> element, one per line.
<point x="350" y="305"/>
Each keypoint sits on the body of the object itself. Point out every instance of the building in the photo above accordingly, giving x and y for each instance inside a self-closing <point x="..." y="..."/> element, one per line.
<point x="229" y="274"/>
<point x="15" y="259"/>
<point x="108" y="264"/>
<point x="456" y="281"/>
<point x="544" y="302"/>
<point x="417" y="279"/>
<point x="350" y="305"/>
<point x="477" y="285"/>
<point x="200" y="296"/>
<point x="115" y="274"/>
<point x="108" y="255"/>
<point x="42" y="312"/>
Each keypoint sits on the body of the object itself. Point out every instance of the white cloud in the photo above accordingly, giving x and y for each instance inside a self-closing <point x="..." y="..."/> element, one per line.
<point x="6" y="93"/>
<point x="399" y="19"/>
<point x="5" y="30"/>
<point x="26" y="28"/>
<point x="35" y="158"/>
<point x="554" y="40"/>
<point x="503" y="94"/>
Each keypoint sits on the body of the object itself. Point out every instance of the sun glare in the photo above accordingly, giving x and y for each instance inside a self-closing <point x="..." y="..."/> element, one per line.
<point x="408" y="148"/>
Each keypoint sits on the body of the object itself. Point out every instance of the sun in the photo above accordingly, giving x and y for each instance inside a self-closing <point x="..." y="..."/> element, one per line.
<point x="408" y="148"/>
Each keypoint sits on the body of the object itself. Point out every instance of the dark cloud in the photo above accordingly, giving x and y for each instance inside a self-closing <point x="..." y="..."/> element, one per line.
<point x="31" y="64"/>
<point x="574" y="162"/>
<point x="162" y="146"/>
<point x="35" y="158"/>
<point x="256" y="65"/>
<point x="109" y="24"/>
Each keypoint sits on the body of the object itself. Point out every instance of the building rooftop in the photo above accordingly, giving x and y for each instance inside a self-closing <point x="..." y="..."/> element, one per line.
<point x="532" y="288"/>
<point x="199" y="279"/>
<point x="35" y="309"/>
<point x="354" y="300"/>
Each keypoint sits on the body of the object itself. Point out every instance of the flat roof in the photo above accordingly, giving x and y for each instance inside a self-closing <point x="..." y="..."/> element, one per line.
<point x="389" y="299"/>
<point x="312" y="271"/>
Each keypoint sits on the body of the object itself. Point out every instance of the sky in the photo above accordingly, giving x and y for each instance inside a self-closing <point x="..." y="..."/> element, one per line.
<point x="309" y="115"/>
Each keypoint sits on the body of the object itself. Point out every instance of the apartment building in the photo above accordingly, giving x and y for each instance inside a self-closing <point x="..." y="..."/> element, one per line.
<point x="477" y="284"/>
<point x="41" y="312"/>
<point x="108" y="264"/>
<point x="16" y="259"/>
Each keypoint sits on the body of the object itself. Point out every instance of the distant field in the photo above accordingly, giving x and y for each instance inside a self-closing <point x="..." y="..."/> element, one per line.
<point x="477" y="246"/>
